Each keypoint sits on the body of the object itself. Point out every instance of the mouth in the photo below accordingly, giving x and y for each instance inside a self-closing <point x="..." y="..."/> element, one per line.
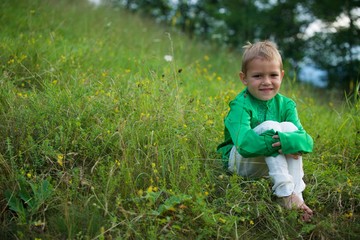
<point x="266" y="89"/>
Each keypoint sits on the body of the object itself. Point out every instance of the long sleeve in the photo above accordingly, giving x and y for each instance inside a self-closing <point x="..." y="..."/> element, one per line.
<point x="247" y="142"/>
<point x="297" y="141"/>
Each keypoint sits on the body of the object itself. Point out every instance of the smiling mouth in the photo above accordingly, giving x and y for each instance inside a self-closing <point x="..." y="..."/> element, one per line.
<point x="266" y="89"/>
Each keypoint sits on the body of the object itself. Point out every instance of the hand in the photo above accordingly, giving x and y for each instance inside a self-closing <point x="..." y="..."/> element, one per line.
<point x="278" y="144"/>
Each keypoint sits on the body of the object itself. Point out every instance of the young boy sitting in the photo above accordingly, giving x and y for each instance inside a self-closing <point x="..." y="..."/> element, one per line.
<point x="263" y="134"/>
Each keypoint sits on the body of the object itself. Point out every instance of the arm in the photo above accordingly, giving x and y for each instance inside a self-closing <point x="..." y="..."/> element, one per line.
<point x="297" y="141"/>
<point x="247" y="142"/>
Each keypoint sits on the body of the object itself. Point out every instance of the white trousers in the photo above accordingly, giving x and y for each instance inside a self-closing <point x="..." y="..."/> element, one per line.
<point x="285" y="172"/>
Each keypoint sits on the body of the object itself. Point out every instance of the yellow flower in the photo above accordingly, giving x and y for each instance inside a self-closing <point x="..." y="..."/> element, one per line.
<point x="117" y="162"/>
<point x="28" y="175"/>
<point x="349" y="183"/>
<point x="251" y="222"/>
<point x="60" y="158"/>
<point x="348" y="215"/>
<point x="150" y="189"/>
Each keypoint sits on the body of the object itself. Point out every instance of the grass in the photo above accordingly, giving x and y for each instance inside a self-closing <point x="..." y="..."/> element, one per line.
<point x="104" y="139"/>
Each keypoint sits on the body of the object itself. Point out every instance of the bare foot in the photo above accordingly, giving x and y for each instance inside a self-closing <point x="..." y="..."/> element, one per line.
<point x="294" y="202"/>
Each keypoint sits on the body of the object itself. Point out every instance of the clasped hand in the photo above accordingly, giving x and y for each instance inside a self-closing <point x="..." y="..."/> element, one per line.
<point x="278" y="144"/>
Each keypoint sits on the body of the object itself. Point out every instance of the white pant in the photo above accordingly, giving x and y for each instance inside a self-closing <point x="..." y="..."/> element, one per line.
<point x="285" y="172"/>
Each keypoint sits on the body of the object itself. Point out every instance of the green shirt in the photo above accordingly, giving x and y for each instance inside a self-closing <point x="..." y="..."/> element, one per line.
<point x="246" y="112"/>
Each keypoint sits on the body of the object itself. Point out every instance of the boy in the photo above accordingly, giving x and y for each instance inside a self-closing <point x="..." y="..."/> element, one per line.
<point x="263" y="134"/>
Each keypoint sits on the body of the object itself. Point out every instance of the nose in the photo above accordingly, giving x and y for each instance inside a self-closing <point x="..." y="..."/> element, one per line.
<point x="266" y="80"/>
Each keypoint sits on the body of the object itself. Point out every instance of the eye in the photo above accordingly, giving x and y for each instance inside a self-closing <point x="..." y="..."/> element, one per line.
<point x="274" y="75"/>
<point x="256" y="76"/>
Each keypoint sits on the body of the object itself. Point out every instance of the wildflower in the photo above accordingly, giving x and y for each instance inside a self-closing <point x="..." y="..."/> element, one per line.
<point x="127" y="70"/>
<point x="348" y="215"/>
<point x="29" y="175"/>
<point x="140" y="192"/>
<point x="60" y="158"/>
<point x="206" y="58"/>
<point x="209" y="122"/>
<point x="55" y="82"/>
<point x="349" y="183"/>
<point x="150" y="189"/>
<point x="22" y="57"/>
<point x="251" y="222"/>
<point x="168" y="58"/>
<point x="222" y="220"/>
<point x="117" y="162"/>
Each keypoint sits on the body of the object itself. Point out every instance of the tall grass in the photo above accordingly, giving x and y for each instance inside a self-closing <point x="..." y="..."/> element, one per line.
<point x="103" y="138"/>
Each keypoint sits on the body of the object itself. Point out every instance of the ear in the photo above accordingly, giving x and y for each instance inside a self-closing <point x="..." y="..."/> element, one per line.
<point x="243" y="78"/>
<point x="282" y="74"/>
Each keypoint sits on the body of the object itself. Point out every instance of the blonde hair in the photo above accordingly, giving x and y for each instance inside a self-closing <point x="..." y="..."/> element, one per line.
<point x="265" y="49"/>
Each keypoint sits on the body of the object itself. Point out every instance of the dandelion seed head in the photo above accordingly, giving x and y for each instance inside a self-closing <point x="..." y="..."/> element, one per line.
<point x="168" y="58"/>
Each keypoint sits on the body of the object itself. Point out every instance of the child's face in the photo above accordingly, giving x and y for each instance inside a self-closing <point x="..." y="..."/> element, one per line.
<point x="263" y="78"/>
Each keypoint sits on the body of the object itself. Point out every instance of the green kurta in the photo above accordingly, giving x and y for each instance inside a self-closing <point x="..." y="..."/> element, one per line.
<point x="247" y="112"/>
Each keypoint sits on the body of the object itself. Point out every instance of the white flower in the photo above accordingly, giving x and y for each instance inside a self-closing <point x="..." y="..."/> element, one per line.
<point x="168" y="58"/>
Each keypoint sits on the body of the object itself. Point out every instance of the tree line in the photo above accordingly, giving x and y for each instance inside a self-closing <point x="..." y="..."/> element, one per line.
<point x="334" y="48"/>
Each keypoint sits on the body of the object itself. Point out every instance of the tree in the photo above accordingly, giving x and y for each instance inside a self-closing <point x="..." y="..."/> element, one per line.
<point x="281" y="22"/>
<point x="337" y="49"/>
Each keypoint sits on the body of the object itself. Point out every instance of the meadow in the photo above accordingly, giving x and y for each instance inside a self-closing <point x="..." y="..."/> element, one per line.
<point x="109" y="128"/>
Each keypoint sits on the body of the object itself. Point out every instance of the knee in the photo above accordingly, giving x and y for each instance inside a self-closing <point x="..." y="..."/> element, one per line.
<point x="268" y="125"/>
<point x="288" y="127"/>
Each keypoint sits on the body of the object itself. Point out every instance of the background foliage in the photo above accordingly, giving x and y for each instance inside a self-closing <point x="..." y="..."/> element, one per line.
<point x="109" y="125"/>
<point x="335" y="48"/>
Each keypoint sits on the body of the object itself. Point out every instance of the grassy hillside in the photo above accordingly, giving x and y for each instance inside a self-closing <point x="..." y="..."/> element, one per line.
<point x="103" y="138"/>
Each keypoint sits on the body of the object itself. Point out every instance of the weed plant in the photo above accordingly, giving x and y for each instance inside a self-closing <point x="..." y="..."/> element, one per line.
<point x="109" y="127"/>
